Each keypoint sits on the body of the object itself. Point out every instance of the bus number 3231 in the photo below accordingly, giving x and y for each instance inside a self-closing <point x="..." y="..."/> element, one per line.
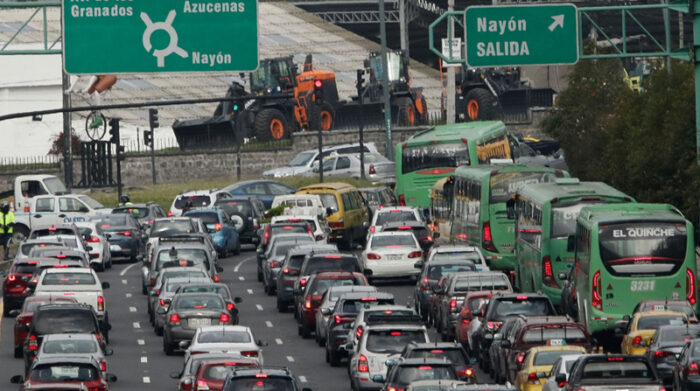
<point x="645" y="285"/>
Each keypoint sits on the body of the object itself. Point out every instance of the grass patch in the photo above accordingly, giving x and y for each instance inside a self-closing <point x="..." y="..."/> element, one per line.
<point x="164" y="193"/>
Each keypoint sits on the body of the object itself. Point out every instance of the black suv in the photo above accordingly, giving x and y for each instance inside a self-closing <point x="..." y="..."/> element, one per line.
<point x="59" y="319"/>
<point x="264" y="379"/>
<point x="499" y="308"/>
<point x="250" y="210"/>
<point x="289" y="273"/>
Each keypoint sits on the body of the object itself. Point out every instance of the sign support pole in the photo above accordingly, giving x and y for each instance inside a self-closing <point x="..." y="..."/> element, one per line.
<point x="385" y="83"/>
<point x="451" y="92"/>
<point x="695" y="10"/>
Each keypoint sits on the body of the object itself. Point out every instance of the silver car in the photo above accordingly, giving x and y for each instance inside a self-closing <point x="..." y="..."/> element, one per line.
<point x="74" y="345"/>
<point x="330" y="297"/>
<point x="169" y="289"/>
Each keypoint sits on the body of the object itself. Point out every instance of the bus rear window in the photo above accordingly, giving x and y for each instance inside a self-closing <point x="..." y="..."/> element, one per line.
<point x="644" y="248"/>
<point x="504" y="185"/>
<point x="421" y="157"/>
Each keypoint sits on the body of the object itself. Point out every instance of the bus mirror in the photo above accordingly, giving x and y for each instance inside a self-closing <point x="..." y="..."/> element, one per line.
<point x="563" y="276"/>
<point x="510" y="209"/>
<point x="571" y="243"/>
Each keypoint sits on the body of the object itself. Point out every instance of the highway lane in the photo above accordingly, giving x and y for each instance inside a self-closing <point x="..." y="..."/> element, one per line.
<point x="139" y="361"/>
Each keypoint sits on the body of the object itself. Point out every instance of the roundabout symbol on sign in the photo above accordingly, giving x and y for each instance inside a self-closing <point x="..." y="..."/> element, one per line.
<point x="172" y="47"/>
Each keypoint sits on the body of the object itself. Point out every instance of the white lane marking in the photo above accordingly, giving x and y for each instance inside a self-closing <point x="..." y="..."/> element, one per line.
<point x="144" y="359"/>
<point x="128" y="295"/>
<point x="140" y="342"/>
<point x="278" y="341"/>
<point x="146" y="379"/>
<point x="302" y="379"/>
<point x="136" y="325"/>
<point x="268" y="323"/>
<point x="290" y="358"/>
<point x="250" y="291"/>
<point x="125" y="282"/>
<point x="259" y="307"/>
<point x="235" y="269"/>
<point x="241" y="278"/>
<point x="132" y="309"/>
<point x="126" y="269"/>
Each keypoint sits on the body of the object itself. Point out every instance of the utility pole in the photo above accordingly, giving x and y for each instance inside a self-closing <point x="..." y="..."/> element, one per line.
<point x="385" y="82"/>
<point x="451" y="92"/>
<point x="67" y="134"/>
<point x="403" y="27"/>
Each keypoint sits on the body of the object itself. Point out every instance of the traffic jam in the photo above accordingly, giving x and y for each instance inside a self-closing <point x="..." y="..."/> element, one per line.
<point x="499" y="275"/>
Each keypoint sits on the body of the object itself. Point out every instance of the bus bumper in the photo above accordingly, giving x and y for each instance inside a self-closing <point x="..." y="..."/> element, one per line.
<point x="499" y="261"/>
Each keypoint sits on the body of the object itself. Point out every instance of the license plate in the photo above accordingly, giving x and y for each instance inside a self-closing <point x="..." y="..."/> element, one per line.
<point x="395" y="257"/>
<point x="115" y="247"/>
<point x="199" y="322"/>
<point x="556" y="342"/>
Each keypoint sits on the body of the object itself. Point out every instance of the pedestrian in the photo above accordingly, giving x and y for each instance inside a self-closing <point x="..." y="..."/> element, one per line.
<point x="125" y="200"/>
<point x="7" y="223"/>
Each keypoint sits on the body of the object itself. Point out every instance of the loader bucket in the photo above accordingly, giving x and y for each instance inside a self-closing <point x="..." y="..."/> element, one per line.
<point x="217" y="131"/>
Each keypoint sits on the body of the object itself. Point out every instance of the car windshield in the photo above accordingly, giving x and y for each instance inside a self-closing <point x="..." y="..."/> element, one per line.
<point x="422" y="157"/>
<point x="549" y="357"/>
<point x="192" y="201"/>
<point x="68" y="278"/>
<point x="564" y="218"/>
<point x="90" y="202"/>
<point x="616" y="370"/>
<point x="53" y="373"/>
<point x="219" y="336"/>
<point x="505" y="184"/>
<point x="197" y="302"/>
<point x="295" y="261"/>
<point x="527" y="306"/>
<point x="392" y="216"/>
<point x="654" y="322"/>
<point x="481" y="283"/>
<point x="320" y="285"/>
<point x="55" y="186"/>
<point x="182" y="257"/>
<point x="208" y="218"/>
<point x="137" y="212"/>
<point x="680" y="335"/>
<point x="643" y="248"/>
<point x="268" y="383"/>
<point x="302" y="159"/>
<point x="71" y="242"/>
<point x="60" y="321"/>
<point x="393" y="241"/>
<point x="392" y="341"/>
<point x="237" y="207"/>
<point x="437" y="271"/>
<point x="31" y="305"/>
<point x="332" y="263"/>
<point x="454" y="355"/>
<point x="408" y="374"/>
<point x="372" y="197"/>
<point x="69" y="346"/>
<point x="170" y="227"/>
<point x="554" y="333"/>
<point x="290" y="229"/>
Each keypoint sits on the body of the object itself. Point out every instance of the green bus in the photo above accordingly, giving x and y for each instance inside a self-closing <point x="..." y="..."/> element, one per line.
<point x="479" y="212"/>
<point x="545" y="215"/>
<point x="434" y="154"/>
<point x="626" y="253"/>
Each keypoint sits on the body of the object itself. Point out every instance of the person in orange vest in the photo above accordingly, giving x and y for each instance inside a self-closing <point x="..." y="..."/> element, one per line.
<point x="7" y="223"/>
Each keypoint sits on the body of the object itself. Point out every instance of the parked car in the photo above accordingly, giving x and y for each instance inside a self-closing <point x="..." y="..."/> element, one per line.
<point x="264" y="190"/>
<point x="378" y="169"/>
<point x="246" y="210"/>
<point x="221" y="228"/>
<point x="305" y="161"/>
<point x="196" y="199"/>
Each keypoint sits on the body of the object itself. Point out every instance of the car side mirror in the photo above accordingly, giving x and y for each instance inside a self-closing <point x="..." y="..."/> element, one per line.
<point x="418" y="265"/>
<point x="237" y="300"/>
<point x="571" y="243"/>
<point x="560" y="378"/>
<point x="436" y="234"/>
<point x="262" y="343"/>
<point x="367" y="272"/>
<point x="219" y="269"/>
<point x="437" y="289"/>
<point x="563" y="276"/>
<point x="497" y="337"/>
<point x="488" y="337"/>
<point x="89" y="248"/>
<point x="109" y="352"/>
<point x="184" y="344"/>
<point x="105" y="285"/>
<point x="349" y="346"/>
<point x="174" y="375"/>
<point x="378" y="378"/>
<point x="14" y="313"/>
<point x="626" y="318"/>
<point x="329" y="211"/>
<point x="619" y="332"/>
<point x="389" y="362"/>
<point x="505" y="343"/>
<point x="365" y="225"/>
<point x="110" y="378"/>
<point x="325" y="311"/>
<point x="108" y="236"/>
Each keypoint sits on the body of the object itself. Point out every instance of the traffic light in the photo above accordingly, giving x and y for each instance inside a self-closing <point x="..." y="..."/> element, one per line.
<point x="147" y="137"/>
<point x="114" y="130"/>
<point x="153" y="118"/>
<point x="318" y="92"/>
<point x="360" y="79"/>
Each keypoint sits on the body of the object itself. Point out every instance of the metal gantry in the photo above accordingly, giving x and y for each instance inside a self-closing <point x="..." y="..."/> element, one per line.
<point x="36" y="25"/>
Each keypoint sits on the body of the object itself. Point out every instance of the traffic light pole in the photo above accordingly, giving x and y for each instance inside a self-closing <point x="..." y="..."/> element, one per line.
<point x="385" y="83"/>
<point x="114" y="132"/>
<point x="153" y="155"/>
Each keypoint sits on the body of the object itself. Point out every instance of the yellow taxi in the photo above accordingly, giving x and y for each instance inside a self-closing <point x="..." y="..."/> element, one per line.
<point x="538" y="363"/>
<point x="643" y="325"/>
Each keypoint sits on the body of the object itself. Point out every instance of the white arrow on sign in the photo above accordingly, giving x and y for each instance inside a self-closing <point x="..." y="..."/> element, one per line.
<point x="558" y="21"/>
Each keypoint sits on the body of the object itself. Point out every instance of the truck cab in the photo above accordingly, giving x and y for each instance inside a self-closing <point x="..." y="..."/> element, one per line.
<point x="29" y="186"/>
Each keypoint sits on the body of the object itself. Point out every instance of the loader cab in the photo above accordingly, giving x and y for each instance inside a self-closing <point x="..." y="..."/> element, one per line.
<point x="397" y="67"/>
<point x="274" y="76"/>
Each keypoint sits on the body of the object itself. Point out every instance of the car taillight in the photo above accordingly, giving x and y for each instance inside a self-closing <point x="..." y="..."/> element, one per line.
<point x="359" y="332"/>
<point x="307" y="303"/>
<point x="32" y="345"/>
<point x="103" y="366"/>
<point x="100" y="303"/>
<point x="453" y="304"/>
<point x="690" y="286"/>
<point x="215" y="278"/>
<point x="162" y="302"/>
<point x="597" y="292"/>
<point x="341" y="319"/>
<point x="274" y="264"/>
<point x="170" y="214"/>
<point x="372" y="228"/>
<point x="371" y="169"/>
<point x="521" y="358"/>
<point x="230" y="307"/>
<point x="126" y="233"/>
<point x="224" y="318"/>
<point x="373" y="256"/>
<point x="362" y="364"/>
<point x="487" y="239"/>
<point x="662" y="354"/>
<point x="548" y="273"/>
<point x="425" y="285"/>
<point x="532" y="378"/>
<point x="217" y="227"/>
<point x="94" y="239"/>
<point x="186" y="385"/>
<point x="692" y="369"/>
<point x="250" y="353"/>
<point x="637" y="341"/>
<point x="468" y="372"/>
<point x="492" y="326"/>
<point x="302" y="282"/>
<point x="202" y="385"/>
<point x="415" y="254"/>
<point x="336" y="225"/>
<point x="392" y="388"/>
<point x="174" y="319"/>
<point x="285" y="270"/>
<point x="402" y="200"/>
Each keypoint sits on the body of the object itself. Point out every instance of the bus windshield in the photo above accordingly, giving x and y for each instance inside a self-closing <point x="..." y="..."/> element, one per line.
<point x="504" y="185"/>
<point x="643" y="248"/>
<point x="420" y="157"/>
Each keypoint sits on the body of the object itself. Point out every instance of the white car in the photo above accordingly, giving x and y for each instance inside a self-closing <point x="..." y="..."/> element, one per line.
<point x="26" y="246"/>
<point x="303" y="201"/>
<point x="224" y="339"/>
<point x="392" y="254"/>
<point x="196" y="199"/>
<point x="319" y="226"/>
<point x="82" y="284"/>
<point x="73" y="345"/>
<point x="95" y="238"/>
<point x="459" y="252"/>
<point x="305" y="161"/>
<point x="562" y="365"/>
<point x="394" y="213"/>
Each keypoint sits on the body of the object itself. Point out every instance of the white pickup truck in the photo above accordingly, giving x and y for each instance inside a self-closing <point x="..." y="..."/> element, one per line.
<point x="82" y="284"/>
<point x="56" y="209"/>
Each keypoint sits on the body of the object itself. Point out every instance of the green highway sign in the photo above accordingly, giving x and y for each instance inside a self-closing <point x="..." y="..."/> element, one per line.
<point x="140" y="36"/>
<point x="521" y="35"/>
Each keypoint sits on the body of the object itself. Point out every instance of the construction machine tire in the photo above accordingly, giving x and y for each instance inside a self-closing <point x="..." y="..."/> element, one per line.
<point x="408" y="116"/>
<point x="322" y="116"/>
<point x="481" y="105"/>
<point x="422" y="117"/>
<point x="271" y="125"/>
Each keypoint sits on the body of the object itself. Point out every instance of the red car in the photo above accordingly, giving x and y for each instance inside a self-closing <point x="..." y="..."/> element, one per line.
<point x="60" y="371"/>
<point x="15" y="286"/>
<point x="23" y="317"/>
<point x="212" y="374"/>
<point x="313" y="293"/>
<point x="473" y="304"/>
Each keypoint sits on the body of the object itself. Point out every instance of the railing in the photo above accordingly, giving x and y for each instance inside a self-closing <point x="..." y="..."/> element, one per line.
<point x="27" y="31"/>
<point x="21" y="163"/>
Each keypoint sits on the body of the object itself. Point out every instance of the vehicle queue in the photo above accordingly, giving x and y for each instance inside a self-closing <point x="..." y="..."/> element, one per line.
<point x="537" y="279"/>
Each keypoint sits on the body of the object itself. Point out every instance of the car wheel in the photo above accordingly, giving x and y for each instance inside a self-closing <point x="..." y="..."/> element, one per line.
<point x="143" y="289"/>
<point x="237" y="251"/>
<point x="158" y="330"/>
<point x="328" y="355"/>
<point x="18" y="352"/>
<point x="5" y="309"/>
<point x="167" y="347"/>
<point x="281" y="306"/>
<point x="334" y="359"/>
<point x="304" y="332"/>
